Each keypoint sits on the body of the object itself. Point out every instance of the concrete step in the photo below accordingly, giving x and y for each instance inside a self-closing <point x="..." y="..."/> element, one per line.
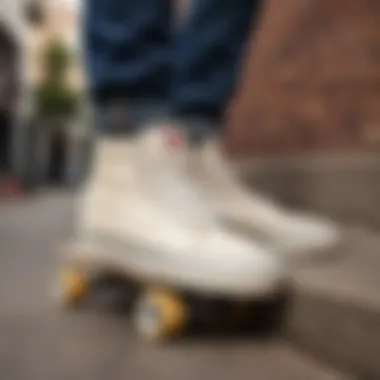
<point x="240" y="361"/>
<point x="344" y="187"/>
<point x="88" y="346"/>
<point x="335" y="307"/>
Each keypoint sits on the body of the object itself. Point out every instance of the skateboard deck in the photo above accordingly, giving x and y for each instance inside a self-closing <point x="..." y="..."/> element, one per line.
<point x="160" y="309"/>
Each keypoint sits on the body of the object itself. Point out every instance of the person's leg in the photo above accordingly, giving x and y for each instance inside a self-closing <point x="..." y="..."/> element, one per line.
<point x="133" y="53"/>
<point x="207" y="51"/>
<point x="127" y="59"/>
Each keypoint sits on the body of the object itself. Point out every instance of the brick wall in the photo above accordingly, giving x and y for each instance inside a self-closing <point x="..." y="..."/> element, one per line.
<point x="311" y="79"/>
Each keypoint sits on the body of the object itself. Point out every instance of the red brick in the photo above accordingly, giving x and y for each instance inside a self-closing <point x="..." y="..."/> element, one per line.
<point x="311" y="79"/>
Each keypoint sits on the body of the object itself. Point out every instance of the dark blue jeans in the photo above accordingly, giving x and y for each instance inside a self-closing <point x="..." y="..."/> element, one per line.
<point x="137" y="52"/>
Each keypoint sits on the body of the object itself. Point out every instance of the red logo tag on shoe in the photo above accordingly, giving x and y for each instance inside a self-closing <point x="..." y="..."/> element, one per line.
<point x="176" y="139"/>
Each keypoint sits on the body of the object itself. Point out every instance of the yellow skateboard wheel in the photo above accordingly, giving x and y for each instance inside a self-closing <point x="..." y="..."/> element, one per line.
<point x="73" y="287"/>
<point x="160" y="315"/>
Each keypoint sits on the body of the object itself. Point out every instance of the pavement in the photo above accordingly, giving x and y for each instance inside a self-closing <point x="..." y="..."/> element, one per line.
<point x="41" y="342"/>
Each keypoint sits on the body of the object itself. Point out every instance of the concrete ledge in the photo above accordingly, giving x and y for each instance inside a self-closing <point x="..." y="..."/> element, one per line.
<point x="334" y="312"/>
<point x="344" y="187"/>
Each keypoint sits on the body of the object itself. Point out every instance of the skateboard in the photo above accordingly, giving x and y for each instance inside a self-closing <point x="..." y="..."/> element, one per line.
<point x="159" y="311"/>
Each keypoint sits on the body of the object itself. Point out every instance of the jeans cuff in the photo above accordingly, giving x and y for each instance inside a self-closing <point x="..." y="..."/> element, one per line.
<point x="198" y="128"/>
<point x="128" y="116"/>
<point x="144" y="112"/>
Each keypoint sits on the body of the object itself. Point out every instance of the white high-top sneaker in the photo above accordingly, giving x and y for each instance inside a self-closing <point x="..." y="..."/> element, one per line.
<point x="285" y="231"/>
<point x="140" y="212"/>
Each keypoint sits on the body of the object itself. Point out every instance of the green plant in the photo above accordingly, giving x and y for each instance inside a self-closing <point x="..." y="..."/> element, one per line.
<point x="54" y="97"/>
<point x="56" y="60"/>
<point x="54" y="100"/>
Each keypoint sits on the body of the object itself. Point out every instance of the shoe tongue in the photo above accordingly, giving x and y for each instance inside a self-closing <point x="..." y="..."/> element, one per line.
<point x="164" y="161"/>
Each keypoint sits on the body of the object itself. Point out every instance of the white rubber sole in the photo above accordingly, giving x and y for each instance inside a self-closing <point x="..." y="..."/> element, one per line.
<point x="193" y="273"/>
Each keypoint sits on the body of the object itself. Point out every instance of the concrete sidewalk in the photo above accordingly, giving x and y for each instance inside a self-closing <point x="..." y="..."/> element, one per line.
<point x="38" y="342"/>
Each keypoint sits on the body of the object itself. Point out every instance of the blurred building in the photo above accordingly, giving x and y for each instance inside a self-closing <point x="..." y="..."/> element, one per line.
<point x="13" y="88"/>
<point x="29" y="150"/>
<point x="311" y="80"/>
<point x="56" y="150"/>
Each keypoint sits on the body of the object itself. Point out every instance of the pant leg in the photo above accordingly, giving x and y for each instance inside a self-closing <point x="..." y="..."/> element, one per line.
<point x="126" y="48"/>
<point x="206" y="55"/>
